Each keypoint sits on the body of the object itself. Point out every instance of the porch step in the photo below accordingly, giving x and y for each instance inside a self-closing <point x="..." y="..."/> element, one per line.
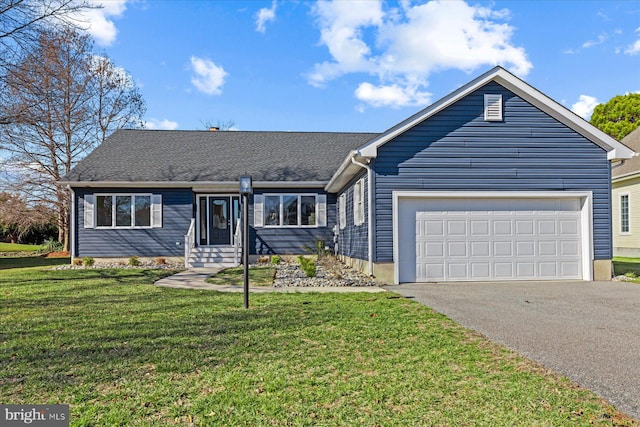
<point x="218" y="256"/>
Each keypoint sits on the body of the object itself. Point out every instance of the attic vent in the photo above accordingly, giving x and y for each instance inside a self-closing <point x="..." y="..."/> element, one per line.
<point x="492" y="107"/>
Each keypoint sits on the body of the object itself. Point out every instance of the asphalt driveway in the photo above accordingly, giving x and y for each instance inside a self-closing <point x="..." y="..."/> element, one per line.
<point x="587" y="331"/>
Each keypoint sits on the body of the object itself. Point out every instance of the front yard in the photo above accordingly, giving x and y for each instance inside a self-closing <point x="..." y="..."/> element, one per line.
<point x="123" y="352"/>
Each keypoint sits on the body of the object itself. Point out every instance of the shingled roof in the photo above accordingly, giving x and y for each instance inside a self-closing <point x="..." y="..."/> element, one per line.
<point x="216" y="156"/>
<point x="631" y="166"/>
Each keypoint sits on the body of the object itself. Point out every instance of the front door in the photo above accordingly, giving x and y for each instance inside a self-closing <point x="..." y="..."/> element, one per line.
<point x="217" y="218"/>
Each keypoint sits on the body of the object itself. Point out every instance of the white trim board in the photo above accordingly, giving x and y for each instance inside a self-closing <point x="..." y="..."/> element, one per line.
<point x="586" y="216"/>
<point x="615" y="150"/>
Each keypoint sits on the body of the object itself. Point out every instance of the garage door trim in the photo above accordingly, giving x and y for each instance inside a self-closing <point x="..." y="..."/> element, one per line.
<point x="586" y="217"/>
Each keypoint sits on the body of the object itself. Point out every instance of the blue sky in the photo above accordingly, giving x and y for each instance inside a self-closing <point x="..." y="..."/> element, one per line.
<point x="358" y="65"/>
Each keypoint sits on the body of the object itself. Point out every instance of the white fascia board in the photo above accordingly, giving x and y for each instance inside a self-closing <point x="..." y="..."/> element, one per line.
<point x="205" y="185"/>
<point x="615" y="150"/>
<point x="344" y="174"/>
<point x="625" y="177"/>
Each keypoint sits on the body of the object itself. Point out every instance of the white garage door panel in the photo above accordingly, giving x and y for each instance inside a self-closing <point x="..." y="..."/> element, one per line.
<point x="488" y="239"/>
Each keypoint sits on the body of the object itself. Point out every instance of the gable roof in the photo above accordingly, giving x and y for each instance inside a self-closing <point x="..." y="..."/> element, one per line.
<point x="184" y="158"/>
<point x="615" y="150"/>
<point x="628" y="168"/>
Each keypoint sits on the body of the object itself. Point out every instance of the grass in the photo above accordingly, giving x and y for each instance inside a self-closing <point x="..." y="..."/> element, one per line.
<point x="626" y="266"/>
<point x="16" y="247"/>
<point x="123" y="352"/>
<point x="258" y="276"/>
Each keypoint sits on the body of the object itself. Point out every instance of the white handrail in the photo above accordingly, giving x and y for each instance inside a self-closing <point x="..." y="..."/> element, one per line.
<point x="237" y="242"/>
<point x="189" y="242"/>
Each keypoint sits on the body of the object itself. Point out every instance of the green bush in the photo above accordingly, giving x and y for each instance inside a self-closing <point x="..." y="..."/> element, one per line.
<point x="134" y="261"/>
<point x="275" y="259"/>
<point x="52" y="245"/>
<point x="307" y="265"/>
<point x="88" y="261"/>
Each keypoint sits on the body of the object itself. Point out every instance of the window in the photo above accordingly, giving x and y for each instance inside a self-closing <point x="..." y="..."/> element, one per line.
<point x="342" y="207"/>
<point x="358" y="202"/>
<point x="492" y="107"/>
<point x="290" y="210"/>
<point x="624" y="213"/>
<point x="123" y="210"/>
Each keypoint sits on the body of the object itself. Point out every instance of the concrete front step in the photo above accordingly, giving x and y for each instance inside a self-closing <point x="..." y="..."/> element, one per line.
<point x="218" y="256"/>
<point x="198" y="264"/>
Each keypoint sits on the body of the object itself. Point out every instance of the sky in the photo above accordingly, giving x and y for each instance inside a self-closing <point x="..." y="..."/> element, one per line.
<point x="357" y="65"/>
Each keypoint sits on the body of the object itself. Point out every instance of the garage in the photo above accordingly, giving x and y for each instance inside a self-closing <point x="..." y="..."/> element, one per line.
<point x="491" y="236"/>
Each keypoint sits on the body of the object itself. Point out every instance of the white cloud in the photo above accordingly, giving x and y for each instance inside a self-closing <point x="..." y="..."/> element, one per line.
<point x="265" y="15"/>
<point x="590" y="43"/>
<point x="98" y="22"/>
<point x="584" y="107"/>
<point x="208" y="78"/>
<point x="403" y="46"/>
<point x="634" y="48"/>
<point x="161" y="124"/>
<point x="391" y="95"/>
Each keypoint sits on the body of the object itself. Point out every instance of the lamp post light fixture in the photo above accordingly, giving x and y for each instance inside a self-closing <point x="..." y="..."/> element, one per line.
<point x="246" y="188"/>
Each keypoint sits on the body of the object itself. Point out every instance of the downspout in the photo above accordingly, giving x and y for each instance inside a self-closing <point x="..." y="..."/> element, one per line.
<point x="369" y="209"/>
<point x="72" y="224"/>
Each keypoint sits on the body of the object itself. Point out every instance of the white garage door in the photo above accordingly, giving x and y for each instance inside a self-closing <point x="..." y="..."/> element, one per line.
<point x="492" y="239"/>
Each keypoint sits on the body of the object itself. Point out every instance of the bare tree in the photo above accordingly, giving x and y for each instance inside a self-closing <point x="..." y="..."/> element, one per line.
<point x="220" y="124"/>
<point x="22" y="20"/>
<point x="60" y="101"/>
<point x="17" y="218"/>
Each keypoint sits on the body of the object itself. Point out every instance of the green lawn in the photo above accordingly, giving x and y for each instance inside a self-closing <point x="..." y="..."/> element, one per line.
<point x="16" y="247"/>
<point x="258" y="276"/>
<point x="122" y="352"/>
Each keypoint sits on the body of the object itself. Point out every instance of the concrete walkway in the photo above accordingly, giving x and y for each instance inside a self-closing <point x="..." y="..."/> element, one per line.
<point x="194" y="278"/>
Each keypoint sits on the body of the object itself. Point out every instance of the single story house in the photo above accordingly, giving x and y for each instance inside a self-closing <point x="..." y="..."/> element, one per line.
<point x="625" y="179"/>
<point x="495" y="181"/>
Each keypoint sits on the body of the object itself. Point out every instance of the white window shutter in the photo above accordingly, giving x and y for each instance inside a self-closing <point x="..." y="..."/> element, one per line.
<point x="356" y="202"/>
<point x="342" y="207"/>
<point x="258" y="216"/>
<point x="321" y="210"/>
<point x="492" y="107"/>
<point x="89" y="202"/>
<point x="156" y="210"/>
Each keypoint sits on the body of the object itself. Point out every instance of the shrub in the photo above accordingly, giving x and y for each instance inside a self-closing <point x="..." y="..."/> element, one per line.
<point x="275" y="259"/>
<point x="77" y="261"/>
<point x="308" y="266"/>
<point x="134" y="261"/>
<point x="88" y="261"/>
<point x="161" y="261"/>
<point x="52" y="245"/>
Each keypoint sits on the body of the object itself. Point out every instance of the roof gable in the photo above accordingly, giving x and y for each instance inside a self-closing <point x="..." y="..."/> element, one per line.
<point x="629" y="168"/>
<point x="615" y="150"/>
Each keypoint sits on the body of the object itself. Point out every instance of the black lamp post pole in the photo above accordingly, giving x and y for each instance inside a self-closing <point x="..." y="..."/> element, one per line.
<point x="245" y="246"/>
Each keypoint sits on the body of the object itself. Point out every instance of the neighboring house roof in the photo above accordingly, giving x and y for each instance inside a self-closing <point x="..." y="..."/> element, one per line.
<point x="177" y="158"/>
<point x="631" y="167"/>
<point x="615" y="150"/>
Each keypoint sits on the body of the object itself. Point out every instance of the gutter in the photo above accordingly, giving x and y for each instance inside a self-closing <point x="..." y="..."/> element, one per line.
<point x="369" y="209"/>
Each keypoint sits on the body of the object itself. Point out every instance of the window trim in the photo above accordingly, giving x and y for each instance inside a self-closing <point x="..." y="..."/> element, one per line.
<point x="621" y="231"/>
<point x="114" y="212"/>
<point x="299" y="196"/>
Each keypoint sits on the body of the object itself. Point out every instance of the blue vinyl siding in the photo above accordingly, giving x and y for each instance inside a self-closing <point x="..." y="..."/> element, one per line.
<point x="291" y="240"/>
<point x="353" y="240"/>
<point x="456" y="149"/>
<point x="168" y="240"/>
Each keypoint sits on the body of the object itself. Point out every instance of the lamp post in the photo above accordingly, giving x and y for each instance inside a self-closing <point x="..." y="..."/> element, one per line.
<point x="246" y="188"/>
